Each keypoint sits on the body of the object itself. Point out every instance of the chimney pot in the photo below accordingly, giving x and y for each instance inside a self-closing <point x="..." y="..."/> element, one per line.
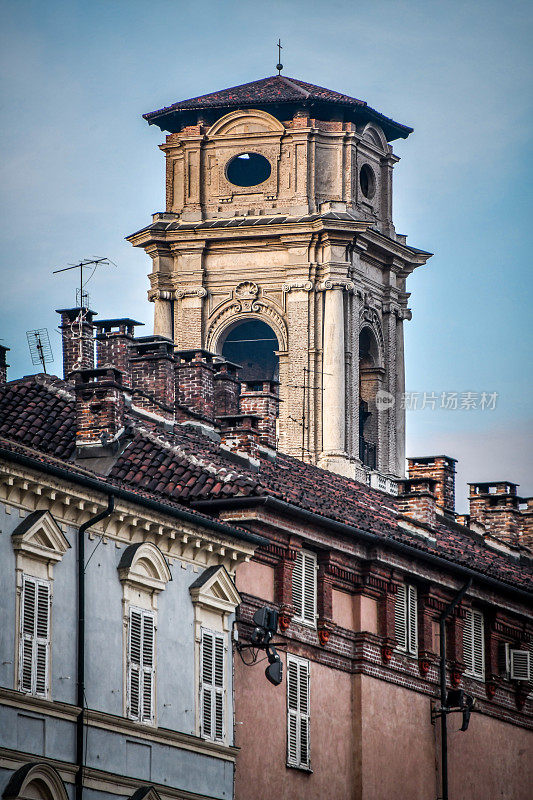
<point x="240" y="433"/>
<point x="416" y="499"/>
<point x="113" y="340"/>
<point x="195" y="387"/>
<point x="151" y="363"/>
<point x="3" y="364"/>
<point x="99" y="406"/>
<point x="441" y="469"/>
<point x="261" y="398"/>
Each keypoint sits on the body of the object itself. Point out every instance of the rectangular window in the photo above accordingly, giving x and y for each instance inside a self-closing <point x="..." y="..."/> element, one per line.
<point x="141" y="667"/>
<point x="212" y="686"/>
<point x="474" y="645"/>
<point x="298" y="712"/>
<point x="34" y="652"/>
<point x="304" y="588"/>
<point x="406" y="619"/>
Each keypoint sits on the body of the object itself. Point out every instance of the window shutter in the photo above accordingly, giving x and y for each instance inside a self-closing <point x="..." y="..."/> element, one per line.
<point x="134" y="676"/>
<point x="298" y="712"/>
<point x="212" y="685"/>
<point x="467" y="643"/>
<point x="503" y="658"/>
<point x="519" y="661"/>
<point x="412" y="620"/>
<point x="400" y="618"/>
<point x="292" y="712"/>
<point x="474" y="644"/>
<point x="304" y="587"/>
<point x="148" y="668"/>
<point x="42" y="638"/>
<point x="309" y="588"/>
<point x="141" y="663"/>
<point x="34" y="636"/>
<point x="297" y="586"/>
<point x="478" y="644"/>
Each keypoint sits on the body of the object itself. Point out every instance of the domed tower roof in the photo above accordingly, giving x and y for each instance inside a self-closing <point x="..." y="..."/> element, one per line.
<point x="280" y="96"/>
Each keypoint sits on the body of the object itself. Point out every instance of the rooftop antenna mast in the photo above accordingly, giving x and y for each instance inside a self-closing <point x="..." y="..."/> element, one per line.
<point x="82" y="300"/>
<point x="279" y="65"/>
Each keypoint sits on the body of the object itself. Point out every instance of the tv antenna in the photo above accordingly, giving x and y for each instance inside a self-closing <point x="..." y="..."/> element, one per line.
<point x="279" y="65"/>
<point x="40" y="350"/>
<point x="78" y="332"/>
<point x="82" y="298"/>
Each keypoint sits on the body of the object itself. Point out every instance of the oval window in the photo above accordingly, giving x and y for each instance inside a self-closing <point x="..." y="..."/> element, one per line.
<point x="248" y="169"/>
<point x="367" y="181"/>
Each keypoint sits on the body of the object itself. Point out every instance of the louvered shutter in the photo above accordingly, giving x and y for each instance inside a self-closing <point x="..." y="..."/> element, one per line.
<point x="474" y="645"/>
<point x="400" y="618"/>
<point x="304" y="587"/>
<point x="298" y="712"/>
<point x="478" y="644"/>
<point x="148" y="641"/>
<point x="141" y="671"/>
<point x="519" y="661"/>
<point x="297" y="586"/>
<point x="34" y="636"/>
<point x="412" y="620"/>
<point x="212" y="685"/>
<point x="292" y="712"/>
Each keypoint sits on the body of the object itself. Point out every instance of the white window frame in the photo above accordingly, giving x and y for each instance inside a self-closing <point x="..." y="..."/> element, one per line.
<point x="474" y="644"/>
<point x="406" y="619"/>
<point x="213" y="685"/>
<point x="298" y="712"/>
<point x="35" y="641"/>
<point x="143" y="667"/>
<point x="304" y="588"/>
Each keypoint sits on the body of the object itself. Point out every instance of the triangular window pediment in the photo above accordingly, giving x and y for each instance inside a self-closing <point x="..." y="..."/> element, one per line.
<point x="40" y="537"/>
<point x="215" y="588"/>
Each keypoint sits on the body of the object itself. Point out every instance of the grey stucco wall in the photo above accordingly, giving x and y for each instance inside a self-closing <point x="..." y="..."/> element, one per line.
<point x="37" y="734"/>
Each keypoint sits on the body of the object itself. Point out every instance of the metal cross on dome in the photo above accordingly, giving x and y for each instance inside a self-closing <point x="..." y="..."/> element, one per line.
<point x="279" y="65"/>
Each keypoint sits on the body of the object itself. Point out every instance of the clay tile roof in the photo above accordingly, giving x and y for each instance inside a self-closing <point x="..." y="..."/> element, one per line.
<point x="37" y="418"/>
<point x="274" y="90"/>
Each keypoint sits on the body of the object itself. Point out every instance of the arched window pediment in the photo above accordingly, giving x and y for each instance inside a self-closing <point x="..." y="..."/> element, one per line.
<point x="144" y="565"/>
<point x="215" y="590"/>
<point x="35" y="780"/>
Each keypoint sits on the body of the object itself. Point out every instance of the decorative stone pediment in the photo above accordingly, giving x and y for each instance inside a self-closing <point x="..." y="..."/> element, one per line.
<point x="35" y="780"/>
<point x="39" y="537"/>
<point x="247" y="122"/>
<point x="144" y="566"/>
<point x="145" y="793"/>
<point x="215" y="590"/>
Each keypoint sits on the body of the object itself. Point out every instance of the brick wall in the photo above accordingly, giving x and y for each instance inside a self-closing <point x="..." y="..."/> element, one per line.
<point x="77" y="335"/>
<point x="441" y="469"/>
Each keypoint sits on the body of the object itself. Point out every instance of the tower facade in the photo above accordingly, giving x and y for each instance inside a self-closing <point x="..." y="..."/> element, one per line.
<point x="277" y="251"/>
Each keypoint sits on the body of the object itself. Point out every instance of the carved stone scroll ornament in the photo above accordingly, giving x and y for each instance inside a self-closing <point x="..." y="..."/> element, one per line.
<point x="190" y="291"/>
<point x="290" y="286"/>
<point x="159" y="294"/>
<point x="336" y="283"/>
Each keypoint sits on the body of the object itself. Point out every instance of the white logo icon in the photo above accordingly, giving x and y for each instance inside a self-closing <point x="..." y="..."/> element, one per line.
<point x="384" y="400"/>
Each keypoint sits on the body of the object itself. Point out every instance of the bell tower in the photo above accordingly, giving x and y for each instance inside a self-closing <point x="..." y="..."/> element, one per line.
<point x="277" y="251"/>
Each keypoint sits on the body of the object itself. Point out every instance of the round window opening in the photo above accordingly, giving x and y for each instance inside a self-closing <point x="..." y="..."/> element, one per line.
<point x="367" y="181"/>
<point x="248" y="169"/>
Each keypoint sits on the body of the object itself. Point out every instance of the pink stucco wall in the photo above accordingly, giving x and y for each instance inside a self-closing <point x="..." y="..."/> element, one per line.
<point x="355" y="612"/>
<point x="400" y="750"/>
<point x="261" y="732"/>
<point x="256" y="579"/>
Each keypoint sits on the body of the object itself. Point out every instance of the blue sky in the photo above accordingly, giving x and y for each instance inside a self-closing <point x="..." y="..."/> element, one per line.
<point x="81" y="170"/>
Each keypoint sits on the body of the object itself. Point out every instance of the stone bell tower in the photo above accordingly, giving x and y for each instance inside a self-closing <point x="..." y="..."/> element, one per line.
<point x="277" y="250"/>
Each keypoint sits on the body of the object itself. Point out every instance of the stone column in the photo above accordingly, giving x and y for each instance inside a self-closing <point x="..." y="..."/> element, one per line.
<point x="403" y="314"/>
<point x="163" y="322"/>
<point x="334" y="455"/>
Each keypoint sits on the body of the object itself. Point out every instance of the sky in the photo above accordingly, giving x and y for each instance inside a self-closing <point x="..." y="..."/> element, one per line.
<point x="81" y="170"/>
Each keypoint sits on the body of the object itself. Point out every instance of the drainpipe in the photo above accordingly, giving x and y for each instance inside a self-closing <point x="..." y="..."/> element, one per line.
<point x="443" y="721"/>
<point x="81" y="642"/>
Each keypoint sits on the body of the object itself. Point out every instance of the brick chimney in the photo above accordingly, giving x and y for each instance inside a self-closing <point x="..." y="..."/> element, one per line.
<point x="240" y="433"/>
<point x="113" y="340"/>
<point x="261" y="398"/>
<point x="151" y="363"/>
<point x="441" y="469"/>
<point x="496" y="506"/>
<point x="226" y="388"/>
<point x="77" y="334"/>
<point x="3" y="364"/>
<point x="99" y="406"/>
<point x="195" y="388"/>
<point x="416" y="499"/>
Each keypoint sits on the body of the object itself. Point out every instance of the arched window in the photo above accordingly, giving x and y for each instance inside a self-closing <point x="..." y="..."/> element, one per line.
<point x="35" y="781"/>
<point x="370" y="377"/>
<point x="253" y="345"/>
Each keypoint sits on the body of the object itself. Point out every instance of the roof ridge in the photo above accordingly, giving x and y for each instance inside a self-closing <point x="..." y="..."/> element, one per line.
<point x="294" y="85"/>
